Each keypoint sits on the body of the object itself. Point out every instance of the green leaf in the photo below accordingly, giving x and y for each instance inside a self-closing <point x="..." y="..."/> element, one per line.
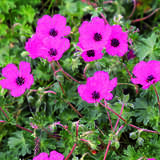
<point x="19" y="143"/>
<point x="145" y="47"/>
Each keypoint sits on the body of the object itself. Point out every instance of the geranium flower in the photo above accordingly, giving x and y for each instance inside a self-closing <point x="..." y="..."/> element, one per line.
<point x="117" y="44"/>
<point x="53" y="48"/>
<point x="17" y="80"/>
<point x="32" y="46"/>
<point x="94" y="34"/>
<point x="52" y="26"/>
<point x="54" y="155"/>
<point x="147" y="73"/>
<point x="91" y="55"/>
<point x="97" y="88"/>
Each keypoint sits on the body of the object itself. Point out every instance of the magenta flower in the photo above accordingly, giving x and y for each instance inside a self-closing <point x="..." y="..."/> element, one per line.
<point x="147" y="73"/>
<point x="32" y="46"/>
<point x="17" y="80"/>
<point x="117" y="44"/>
<point x="53" y="48"/>
<point x="42" y="156"/>
<point x="151" y="159"/>
<point x="97" y="87"/>
<point x="52" y="26"/>
<point x="94" y="34"/>
<point x="90" y="55"/>
<point x="54" y="155"/>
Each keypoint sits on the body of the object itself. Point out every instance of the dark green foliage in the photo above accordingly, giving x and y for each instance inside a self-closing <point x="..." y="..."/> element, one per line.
<point x="18" y="20"/>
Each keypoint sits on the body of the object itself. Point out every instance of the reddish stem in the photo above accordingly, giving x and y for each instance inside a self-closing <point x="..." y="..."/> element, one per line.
<point x="120" y="115"/>
<point x="145" y="130"/>
<point x="73" y="148"/>
<point x="104" y="18"/>
<point x="110" y="120"/>
<point x="50" y="92"/>
<point x="77" y="127"/>
<point x="119" y="129"/>
<point x="144" y="18"/>
<point x="84" y="71"/>
<point x="74" y="109"/>
<point x="131" y="125"/>
<point x="134" y="8"/>
<point x="28" y="130"/>
<point x="157" y="97"/>
<point x="113" y="112"/>
<point x="67" y="73"/>
<point x="109" y="143"/>
<point x="1" y="121"/>
<point x="58" y="81"/>
<point x="4" y="113"/>
<point x="106" y="2"/>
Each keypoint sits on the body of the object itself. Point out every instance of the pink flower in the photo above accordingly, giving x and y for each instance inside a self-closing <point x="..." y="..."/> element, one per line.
<point x="118" y="42"/>
<point x="53" y="48"/>
<point x="94" y="34"/>
<point x="32" y="46"/>
<point x="91" y="55"/>
<point x="147" y="73"/>
<point x="52" y="26"/>
<point x="17" y="80"/>
<point x="54" y="155"/>
<point x="151" y="159"/>
<point x="97" y="87"/>
<point x="42" y="156"/>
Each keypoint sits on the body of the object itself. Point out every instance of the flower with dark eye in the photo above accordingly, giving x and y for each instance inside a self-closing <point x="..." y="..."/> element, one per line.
<point x="117" y="44"/>
<point x="52" y="26"/>
<point x="97" y="88"/>
<point x="146" y="73"/>
<point x="17" y="81"/>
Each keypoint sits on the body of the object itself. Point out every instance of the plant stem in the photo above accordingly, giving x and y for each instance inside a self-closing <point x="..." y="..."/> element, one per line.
<point x="73" y="148"/>
<point x="157" y="97"/>
<point x="4" y="113"/>
<point x="144" y="18"/>
<point x="113" y="112"/>
<point x="120" y="115"/>
<point x="119" y="129"/>
<point x="74" y="109"/>
<point x="145" y="130"/>
<point x="131" y="125"/>
<point x="67" y="73"/>
<point x="134" y="8"/>
<point x="58" y="81"/>
<point x="109" y="143"/>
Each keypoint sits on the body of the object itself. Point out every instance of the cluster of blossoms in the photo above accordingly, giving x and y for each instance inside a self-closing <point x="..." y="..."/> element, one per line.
<point x="48" y="42"/>
<point x="96" y="35"/>
<point x="54" y="155"/>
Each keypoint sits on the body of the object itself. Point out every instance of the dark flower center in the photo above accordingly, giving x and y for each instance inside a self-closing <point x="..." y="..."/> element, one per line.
<point x="97" y="37"/>
<point x="90" y="53"/>
<point x="95" y="95"/>
<point x="53" y="32"/>
<point x="115" y="42"/>
<point x="52" y="52"/>
<point x="20" y="81"/>
<point x="150" y="78"/>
